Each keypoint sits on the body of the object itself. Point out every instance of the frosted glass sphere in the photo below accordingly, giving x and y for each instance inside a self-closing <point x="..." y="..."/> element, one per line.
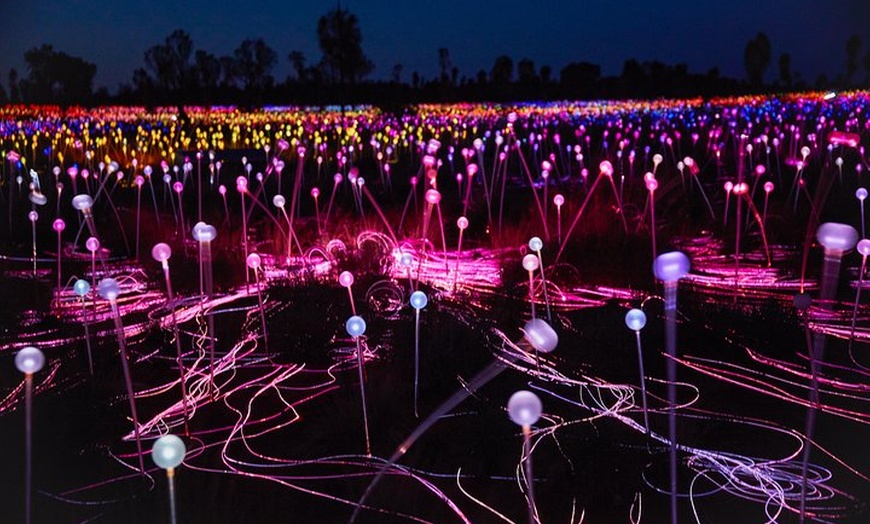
<point x="29" y="360"/>
<point x="203" y="232"/>
<point x="109" y="289"/>
<point x="836" y="236"/>
<point x="33" y="216"/>
<point x="433" y="196"/>
<point x="540" y="335"/>
<point x="864" y="247"/>
<point x="768" y="186"/>
<point x="530" y="262"/>
<point x="558" y="200"/>
<point x="161" y="252"/>
<point x="635" y="319"/>
<point x="82" y="202"/>
<point x="535" y="244"/>
<point x="861" y="193"/>
<point x="92" y="244"/>
<point x="345" y="278"/>
<point x="670" y="267"/>
<point x="355" y="326"/>
<point x="58" y="225"/>
<point x="419" y="300"/>
<point x="38" y="198"/>
<point x="657" y="159"/>
<point x="462" y="223"/>
<point x="168" y="451"/>
<point x="279" y="201"/>
<point x="254" y="261"/>
<point x="524" y="408"/>
<point x="81" y="287"/>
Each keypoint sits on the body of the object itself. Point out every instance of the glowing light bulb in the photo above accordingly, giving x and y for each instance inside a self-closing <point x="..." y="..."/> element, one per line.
<point x="355" y="326"/>
<point x="635" y="319"/>
<point x="29" y="360"/>
<point x="168" y="452"/>
<point x="540" y="335"/>
<point x="82" y="202"/>
<point x="92" y="244"/>
<point x="670" y="267"/>
<point x="345" y="279"/>
<point x="418" y="300"/>
<point x="109" y="289"/>
<point x="524" y="408"/>
<point x="203" y="232"/>
<point x="530" y="262"/>
<point x="81" y="287"/>
<point x="837" y="237"/>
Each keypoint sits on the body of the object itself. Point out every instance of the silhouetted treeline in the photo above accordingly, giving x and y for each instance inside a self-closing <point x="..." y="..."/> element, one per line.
<point x="174" y="72"/>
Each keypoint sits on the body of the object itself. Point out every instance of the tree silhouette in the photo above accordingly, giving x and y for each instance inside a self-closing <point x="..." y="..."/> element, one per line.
<point x="397" y="73"/>
<point x="502" y="70"/>
<point x="444" y="64"/>
<point x="526" y="72"/>
<point x="546" y="74"/>
<point x="785" y="69"/>
<point x="340" y="40"/>
<point x="853" y="50"/>
<point x="579" y="78"/>
<point x="756" y="58"/>
<point x="297" y="60"/>
<point x="206" y="69"/>
<point x="866" y="65"/>
<point x="168" y="65"/>
<point x="254" y="61"/>
<point x="57" y="77"/>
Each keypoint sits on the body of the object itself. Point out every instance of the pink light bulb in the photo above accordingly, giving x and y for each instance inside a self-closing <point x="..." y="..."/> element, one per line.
<point x="433" y="196"/>
<point x="92" y="244"/>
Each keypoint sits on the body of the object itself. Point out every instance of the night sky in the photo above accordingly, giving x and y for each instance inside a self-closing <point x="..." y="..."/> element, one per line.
<point x="704" y="33"/>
